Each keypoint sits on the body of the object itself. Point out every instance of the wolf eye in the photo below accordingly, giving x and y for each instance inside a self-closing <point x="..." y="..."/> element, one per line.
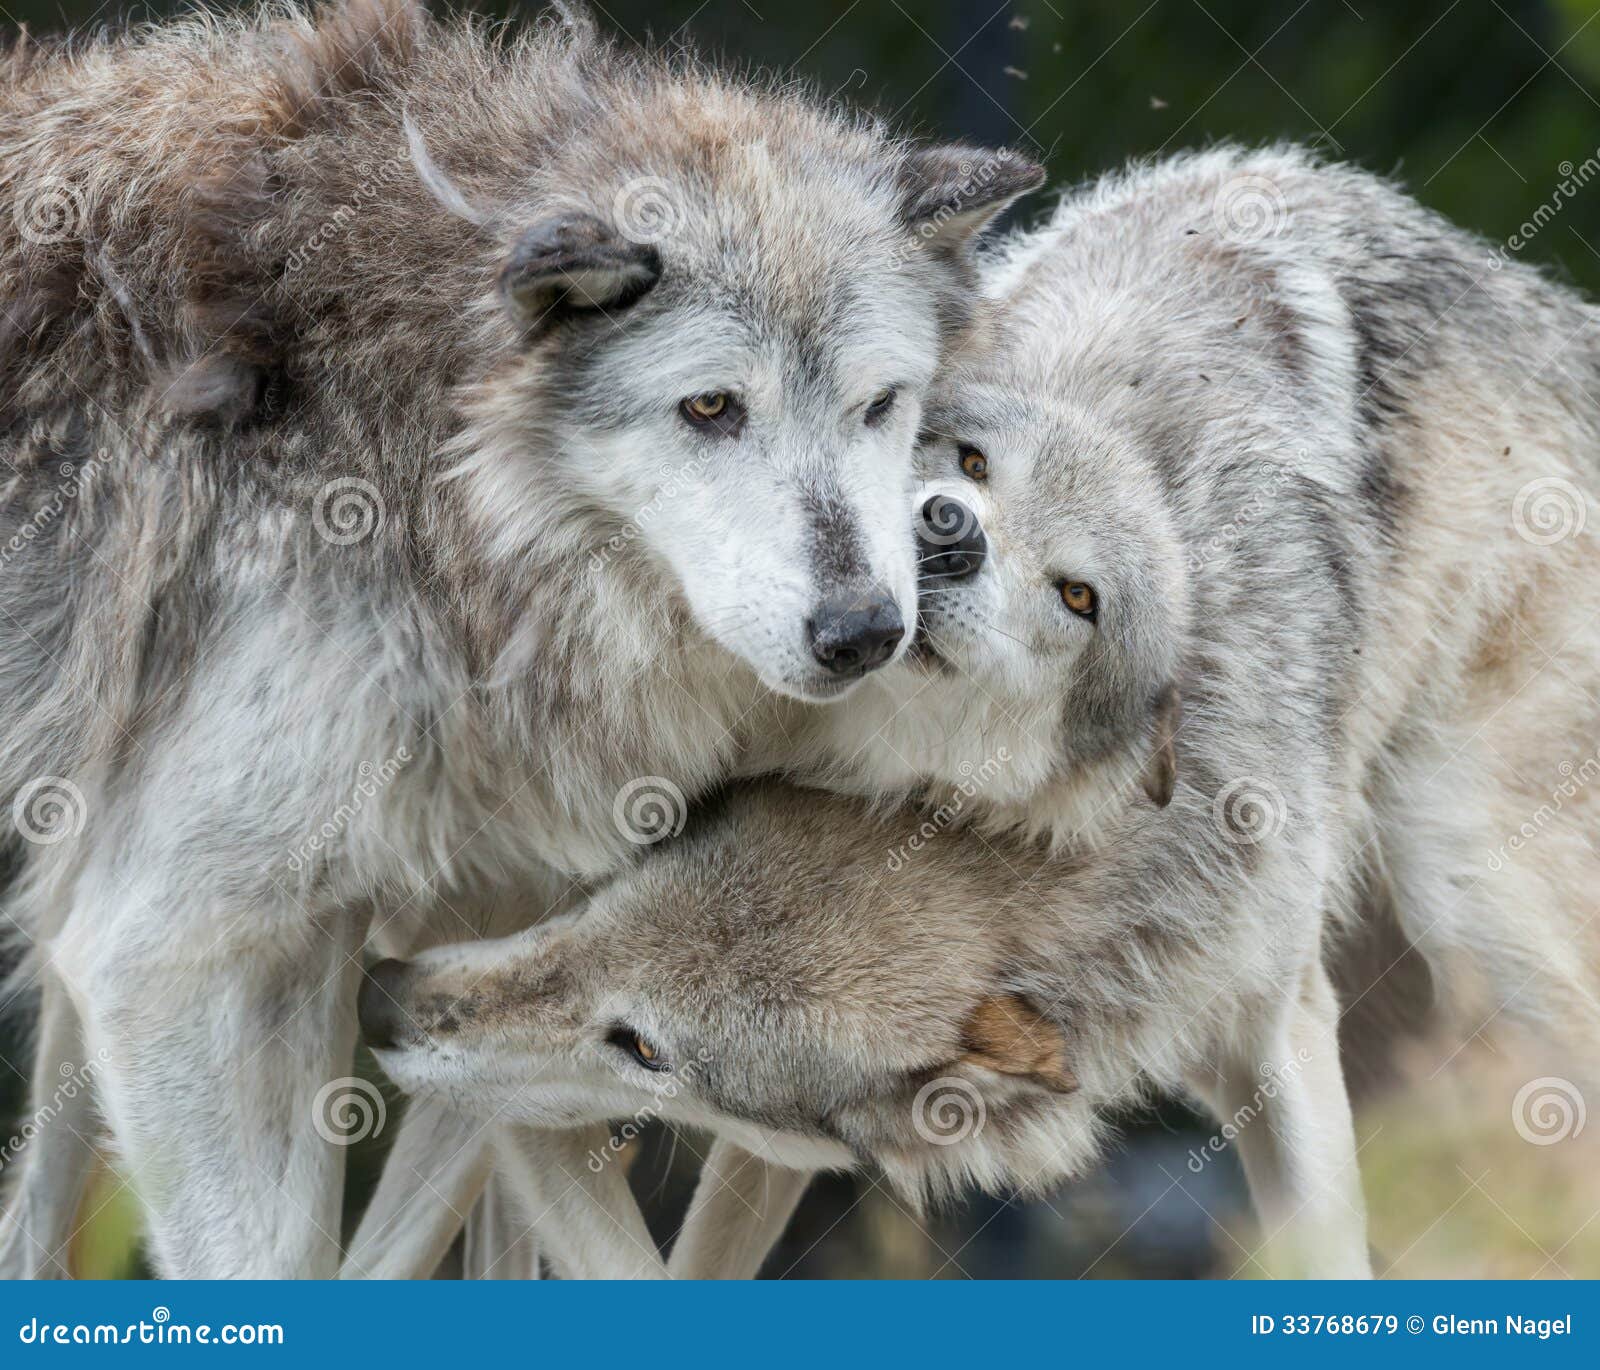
<point x="1080" y="598"/>
<point x="974" y="465"/>
<point x="715" y="411"/>
<point x="881" y="404"/>
<point x="645" y="1052"/>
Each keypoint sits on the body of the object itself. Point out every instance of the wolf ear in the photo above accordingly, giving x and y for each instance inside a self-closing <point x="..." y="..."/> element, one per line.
<point x="574" y="263"/>
<point x="1011" y="1037"/>
<point x="1161" y="768"/>
<point x="951" y="192"/>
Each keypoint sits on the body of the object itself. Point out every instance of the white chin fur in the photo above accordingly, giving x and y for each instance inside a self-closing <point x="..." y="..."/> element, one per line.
<point x="817" y="690"/>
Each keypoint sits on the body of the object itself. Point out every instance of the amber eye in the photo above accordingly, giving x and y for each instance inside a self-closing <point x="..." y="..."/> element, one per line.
<point x="974" y="464"/>
<point x="1079" y="597"/>
<point x="638" y="1046"/>
<point x="706" y="408"/>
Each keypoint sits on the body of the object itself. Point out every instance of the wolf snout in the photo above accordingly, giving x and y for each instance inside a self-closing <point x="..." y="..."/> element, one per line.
<point x="380" y="1004"/>
<point x="950" y="540"/>
<point x="853" y="634"/>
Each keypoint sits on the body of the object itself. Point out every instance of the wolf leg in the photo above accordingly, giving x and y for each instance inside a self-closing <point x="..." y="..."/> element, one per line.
<point x="434" y="1174"/>
<point x="577" y="1198"/>
<point x="500" y="1243"/>
<point x="1285" y="1091"/>
<point x="740" y="1209"/>
<point x="220" y="1046"/>
<point x="55" y="1166"/>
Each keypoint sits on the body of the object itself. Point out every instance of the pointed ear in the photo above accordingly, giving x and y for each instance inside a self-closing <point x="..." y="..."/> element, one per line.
<point x="1161" y="769"/>
<point x="571" y="264"/>
<point x="951" y="192"/>
<point x="1009" y="1036"/>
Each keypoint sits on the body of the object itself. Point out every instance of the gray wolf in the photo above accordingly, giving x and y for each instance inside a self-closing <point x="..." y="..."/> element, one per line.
<point x="1280" y="487"/>
<point x="415" y="442"/>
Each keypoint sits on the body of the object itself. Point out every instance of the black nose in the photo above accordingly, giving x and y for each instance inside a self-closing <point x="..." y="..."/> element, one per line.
<point x="854" y="634"/>
<point x="950" y="540"/>
<point x="379" y="1006"/>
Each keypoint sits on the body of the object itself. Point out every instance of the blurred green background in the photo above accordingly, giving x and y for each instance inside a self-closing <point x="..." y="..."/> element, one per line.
<point x="1482" y="107"/>
<point x="1475" y="104"/>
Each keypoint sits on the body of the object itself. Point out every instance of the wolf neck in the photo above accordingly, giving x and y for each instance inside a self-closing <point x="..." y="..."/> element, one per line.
<point x="964" y="757"/>
<point x="586" y="672"/>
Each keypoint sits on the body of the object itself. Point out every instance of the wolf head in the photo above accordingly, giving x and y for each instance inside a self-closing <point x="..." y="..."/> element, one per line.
<point x="750" y="979"/>
<point x="719" y="311"/>
<point x="1053" y="577"/>
<point x="1053" y="620"/>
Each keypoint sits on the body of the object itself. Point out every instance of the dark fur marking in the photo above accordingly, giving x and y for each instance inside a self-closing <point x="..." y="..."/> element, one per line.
<point x="837" y="550"/>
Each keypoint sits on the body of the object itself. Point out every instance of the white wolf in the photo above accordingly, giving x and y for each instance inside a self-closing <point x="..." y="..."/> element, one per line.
<point x="1257" y="443"/>
<point x="274" y="278"/>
